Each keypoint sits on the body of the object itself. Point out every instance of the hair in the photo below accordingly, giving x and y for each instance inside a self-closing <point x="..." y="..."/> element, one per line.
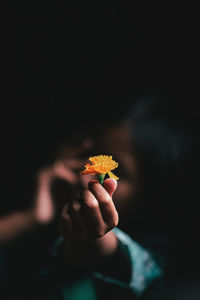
<point x="163" y="143"/>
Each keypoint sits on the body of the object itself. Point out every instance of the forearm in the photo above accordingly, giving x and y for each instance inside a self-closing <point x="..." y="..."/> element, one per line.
<point x="134" y="268"/>
<point x="14" y="225"/>
<point x="106" y="245"/>
<point x="105" y="256"/>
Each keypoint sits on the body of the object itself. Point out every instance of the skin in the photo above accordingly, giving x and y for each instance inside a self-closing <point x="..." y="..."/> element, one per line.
<point x="43" y="210"/>
<point x="96" y="211"/>
<point x="86" y="222"/>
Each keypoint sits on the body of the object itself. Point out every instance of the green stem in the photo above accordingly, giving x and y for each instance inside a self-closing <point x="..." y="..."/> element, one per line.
<point x="101" y="177"/>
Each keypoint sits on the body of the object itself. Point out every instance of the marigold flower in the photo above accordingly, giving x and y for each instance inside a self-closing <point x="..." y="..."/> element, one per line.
<point x="101" y="165"/>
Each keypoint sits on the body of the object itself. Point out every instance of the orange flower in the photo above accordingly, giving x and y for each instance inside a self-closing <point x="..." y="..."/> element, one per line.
<point x="101" y="165"/>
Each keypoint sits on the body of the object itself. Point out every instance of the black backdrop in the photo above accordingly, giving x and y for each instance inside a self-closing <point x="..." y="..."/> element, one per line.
<point x="65" y="62"/>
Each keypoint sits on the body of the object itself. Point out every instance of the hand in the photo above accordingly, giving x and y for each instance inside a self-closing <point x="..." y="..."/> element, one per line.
<point x="44" y="209"/>
<point x="86" y="223"/>
<point x="67" y="167"/>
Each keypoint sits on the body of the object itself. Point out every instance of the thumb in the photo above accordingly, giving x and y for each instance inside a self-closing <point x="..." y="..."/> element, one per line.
<point x="110" y="185"/>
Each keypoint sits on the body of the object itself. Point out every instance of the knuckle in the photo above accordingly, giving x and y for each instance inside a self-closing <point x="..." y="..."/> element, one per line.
<point x="76" y="207"/>
<point x="93" y="204"/>
<point x="106" y="200"/>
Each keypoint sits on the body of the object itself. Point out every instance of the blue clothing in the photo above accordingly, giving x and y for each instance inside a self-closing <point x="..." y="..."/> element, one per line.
<point x="56" y="281"/>
<point x="144" y="270"/>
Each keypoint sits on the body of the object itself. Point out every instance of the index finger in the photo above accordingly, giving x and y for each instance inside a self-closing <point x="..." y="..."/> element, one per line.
<point x="106" y="204"/>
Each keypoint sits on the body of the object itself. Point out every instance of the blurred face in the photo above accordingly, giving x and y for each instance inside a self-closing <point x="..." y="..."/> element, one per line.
<point x="65" y="172"/>
<point x="117" y="141"/>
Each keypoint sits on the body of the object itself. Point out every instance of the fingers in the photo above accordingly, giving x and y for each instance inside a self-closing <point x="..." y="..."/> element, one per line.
<point x="110" y="185"/>
<point x="60" y="171"/>
<point x="94" y="215"/>
<point x="104" y="199"/>
<point x="66" y="228"/>
<point x="83" y="220"/>
<point x="78" y="220"/>
<point x="95" y="222"/>
<point x="72" y="224"/>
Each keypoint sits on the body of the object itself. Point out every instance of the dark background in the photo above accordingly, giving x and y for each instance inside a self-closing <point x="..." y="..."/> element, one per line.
<point x="63" y="64"/>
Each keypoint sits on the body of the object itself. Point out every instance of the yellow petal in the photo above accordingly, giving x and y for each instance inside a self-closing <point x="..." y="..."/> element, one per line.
<point x="111" y="175"/>
<point x="101" y="164"/>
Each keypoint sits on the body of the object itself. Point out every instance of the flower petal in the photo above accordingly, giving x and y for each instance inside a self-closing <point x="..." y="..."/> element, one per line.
<point x="111" y="175"/>
<point x="101" y="164"/>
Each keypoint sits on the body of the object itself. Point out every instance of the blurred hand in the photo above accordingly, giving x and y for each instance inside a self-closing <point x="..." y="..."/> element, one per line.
<point x="67" y="167"/>
<point x="90" y="218"/>
<point x="44" y="209"/>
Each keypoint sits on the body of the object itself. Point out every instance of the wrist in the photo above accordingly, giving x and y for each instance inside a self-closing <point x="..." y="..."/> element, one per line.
<point x="106" y="245"/>
<point x="89" y="252"/>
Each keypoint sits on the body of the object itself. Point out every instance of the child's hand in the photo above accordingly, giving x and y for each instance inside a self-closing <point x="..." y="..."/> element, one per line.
<point x="44" y="210"/>
<point x="67" y="167"/>
<point x="89" y="219"/>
